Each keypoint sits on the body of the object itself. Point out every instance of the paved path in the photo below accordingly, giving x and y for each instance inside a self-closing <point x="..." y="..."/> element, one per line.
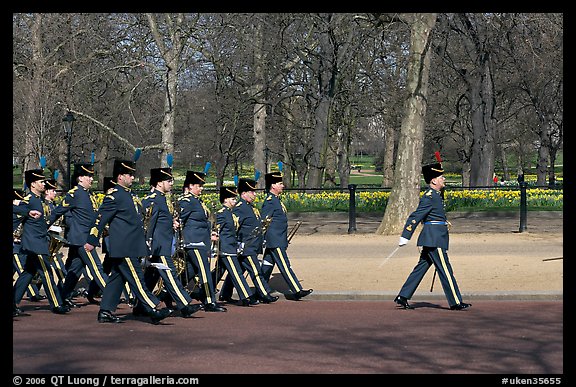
<point x="300" y="337"/>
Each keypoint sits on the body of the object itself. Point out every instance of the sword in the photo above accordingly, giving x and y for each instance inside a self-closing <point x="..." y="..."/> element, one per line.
<point x="388" y="257"/>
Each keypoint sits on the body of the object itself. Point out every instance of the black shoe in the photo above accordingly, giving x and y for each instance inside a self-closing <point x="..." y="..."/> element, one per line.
<point x="16" y="311"/>
<point x="139" y="310"/>
<point x="92" y="300"/>
<point x="214" y="308"/>
<point x="105" y="316"/>
<point x="302" y="293"/>
<point x="253" y="299"/>
<point x="460" y="306"/>
<point x="244" y="302"/>
<point x="268" y="299"/>
<point x="403" y="302"/>
<point x="70" y="304"/>
<point x="159" y="315"/>
<point x="229" y="300"/>
<point x="60" y="310"/>
<point x="190" y="309"/>
<point x="37" y="298"/>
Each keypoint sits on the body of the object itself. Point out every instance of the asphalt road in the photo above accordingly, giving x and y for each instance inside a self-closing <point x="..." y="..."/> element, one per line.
<point x="298" y="337"/>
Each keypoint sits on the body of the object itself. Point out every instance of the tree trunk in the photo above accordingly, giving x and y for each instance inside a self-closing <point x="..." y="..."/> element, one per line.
<point x="406" y="186"/>
<point x="388" y="164"/>
<point x="543" y="156"/>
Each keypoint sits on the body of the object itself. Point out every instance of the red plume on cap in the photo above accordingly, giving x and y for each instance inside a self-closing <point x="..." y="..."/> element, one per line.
<point x="437" y="155"/>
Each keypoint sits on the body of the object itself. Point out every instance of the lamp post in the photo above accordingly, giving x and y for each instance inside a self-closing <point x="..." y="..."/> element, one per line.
<point x="68" y="124"/>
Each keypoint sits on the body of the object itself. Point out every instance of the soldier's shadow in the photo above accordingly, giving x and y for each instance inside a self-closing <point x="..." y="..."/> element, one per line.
<point x="418" y="305"/>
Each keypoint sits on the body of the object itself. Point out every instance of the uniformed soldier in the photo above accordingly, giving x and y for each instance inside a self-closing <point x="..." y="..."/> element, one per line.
<point x="54" y="231"/>
<point x="80" y="204"/>
<point x="433" y="240"/>
<point x="159" y="234"/>
<point x="35" y="244"/>
<point x="250" y="238"/>
<point x="198" y="236"/>
<point x="227" y="223"/>
<point x="121" y="210"/>
<point x="276" y="237"/>
<point x="19" y="259"/>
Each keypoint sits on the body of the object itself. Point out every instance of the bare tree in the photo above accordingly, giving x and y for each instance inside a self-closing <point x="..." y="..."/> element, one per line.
<point x="406" y="187"/>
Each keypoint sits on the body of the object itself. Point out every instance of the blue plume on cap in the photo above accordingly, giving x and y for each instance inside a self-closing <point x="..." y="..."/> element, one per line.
<point x="137" y="154"/>
<point x="236" y="180"/>
<point x="169" y="159"/>
<point x="280" y="166"/>
<point x="55" y="174"/>
<point x="256" y="175"/>
<point x="207" y="167"/>
<point x="92" y="158"/>
<point x="42" y="162"/>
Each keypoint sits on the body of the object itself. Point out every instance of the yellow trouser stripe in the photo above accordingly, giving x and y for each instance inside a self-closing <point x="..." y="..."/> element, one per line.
<point x="204" y="275"/>
<point x="257" y="276"/>
<point x="172" y="281"/>
<point x="237" y="276"/>
<point x="48" y="284"/>
<point x="97" y="272"/>
<point x="138" y="283"/>
<point x="20" y="270"/>
<point x="447" y="273"/>
<point x="286" y="268"/>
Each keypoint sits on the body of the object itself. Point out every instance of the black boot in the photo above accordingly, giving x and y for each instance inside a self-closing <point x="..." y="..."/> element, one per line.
<point x="190" y="309"/>
<point x="403" y="302"/>
<point x="105" y="316"/>
<point x="268" y="299"/>
<point x="302" y="293"/>
<point x="159" y="315"/>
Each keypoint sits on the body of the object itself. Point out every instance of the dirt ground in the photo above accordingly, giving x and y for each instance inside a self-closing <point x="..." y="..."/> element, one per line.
<point x="487" y="252"/>
<point x="489" y="257"/>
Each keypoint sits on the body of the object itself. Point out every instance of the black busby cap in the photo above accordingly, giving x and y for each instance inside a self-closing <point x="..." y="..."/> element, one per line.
<point x="246" y="185"/>
<point x="51" y="184"/>
<point x="18" y="194"/>
<point x="160" y="174"/>
<point x="33" y="175"/>
<point x="272" y="177"/>
<point x="83" y="170"/>
<point x="193" y="177"/>
<point x="108" y="183"/>
<point x="431" y="171"/>
<point x="227" y="192"/>
<point x="124" y="166"/>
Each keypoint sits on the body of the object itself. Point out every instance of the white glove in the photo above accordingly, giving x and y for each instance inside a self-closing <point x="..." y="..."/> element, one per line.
<point x="56" y="229"/>
<point x="402" y="241"/>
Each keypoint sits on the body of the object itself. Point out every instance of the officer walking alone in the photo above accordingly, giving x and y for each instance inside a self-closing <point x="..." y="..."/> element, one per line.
<point x="433" y="239"/>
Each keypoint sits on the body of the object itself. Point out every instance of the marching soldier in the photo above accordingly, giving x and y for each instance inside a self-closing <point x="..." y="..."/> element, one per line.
<point x="35" y="244"/>
<point x="276" y="237"/>
<point x="80" y="205"/>
<point x="160" y="234"/>
<point x="433" y="239"/>
<point x="197" y="234"/>
<point x="19" y="259"/>
<point x="227" y="224"/>
<point x="250" y="240"/>
<point x="54" y="231"/>
<point x="120" y="209"/>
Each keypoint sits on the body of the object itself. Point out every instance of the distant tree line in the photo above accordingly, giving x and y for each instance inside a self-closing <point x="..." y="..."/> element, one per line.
<point x="237" y="89"/>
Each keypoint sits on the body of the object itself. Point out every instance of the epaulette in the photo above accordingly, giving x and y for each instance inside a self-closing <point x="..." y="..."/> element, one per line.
<point x="27" y="198"/>
<point x="185" y="198"/>
<point x="150" y="196"/>
<point x="110" y="196"/>
<point x="269" y="197"/>
<point x="428" y="193"/>
<point x="221" y="210"/>
<point x="238" y="204"/>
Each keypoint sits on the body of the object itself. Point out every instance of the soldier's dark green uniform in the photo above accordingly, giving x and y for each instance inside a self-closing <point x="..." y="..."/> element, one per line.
<point x="433" y="240"/>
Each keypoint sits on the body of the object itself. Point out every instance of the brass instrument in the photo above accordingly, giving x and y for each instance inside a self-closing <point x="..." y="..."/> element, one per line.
<point x="146" y="218"/>
<point x="293" y="230"/>
<point x="17" y="234"/>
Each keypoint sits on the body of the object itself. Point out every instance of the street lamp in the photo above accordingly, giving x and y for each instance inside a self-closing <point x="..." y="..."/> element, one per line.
<point x="68" y="124"/>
